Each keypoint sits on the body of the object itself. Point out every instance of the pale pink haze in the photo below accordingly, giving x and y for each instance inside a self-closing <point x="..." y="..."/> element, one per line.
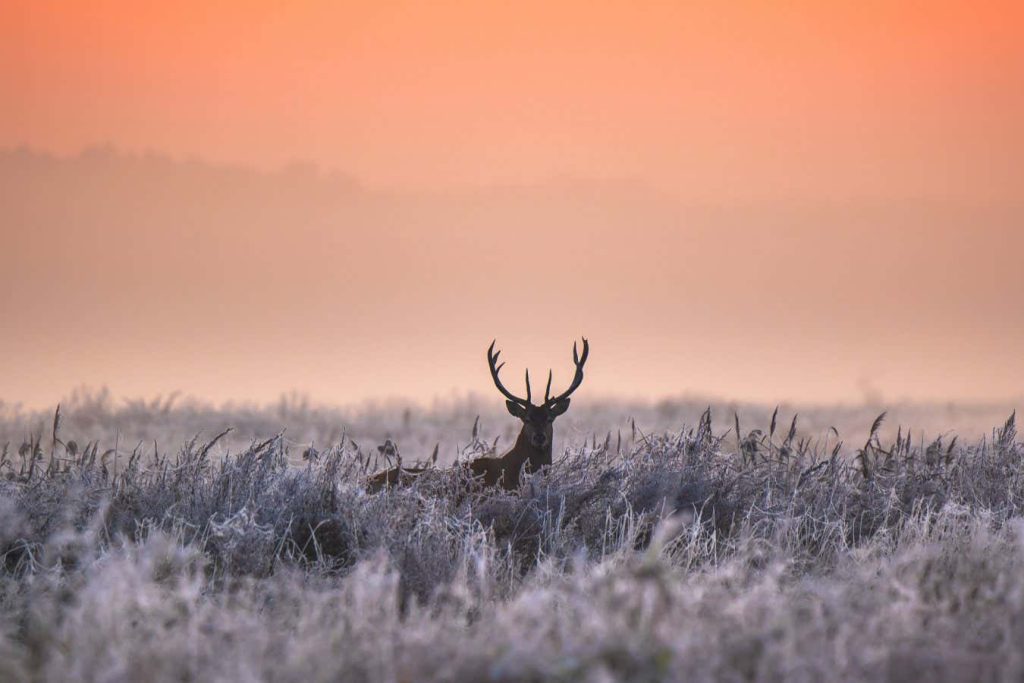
<point x="810" y="201"/>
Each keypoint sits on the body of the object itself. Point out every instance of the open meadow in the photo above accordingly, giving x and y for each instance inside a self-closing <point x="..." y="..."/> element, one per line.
<point x="141" y="542"/>
<point x="791" y="230"/>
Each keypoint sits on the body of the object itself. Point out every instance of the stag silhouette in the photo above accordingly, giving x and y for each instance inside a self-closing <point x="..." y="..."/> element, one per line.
<point x="532" y="449"/>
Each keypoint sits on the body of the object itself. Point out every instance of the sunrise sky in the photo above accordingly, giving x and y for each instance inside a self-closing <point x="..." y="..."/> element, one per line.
<point x="810" y="201"/>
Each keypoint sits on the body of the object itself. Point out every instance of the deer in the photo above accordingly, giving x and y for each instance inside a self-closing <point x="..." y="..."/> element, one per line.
<point x="398" y="475"/>
<point x="532" y="448"/>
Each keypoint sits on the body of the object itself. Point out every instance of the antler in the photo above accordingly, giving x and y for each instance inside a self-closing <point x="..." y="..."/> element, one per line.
<point x="492" y="358"/>
<point x="579" y="361"/>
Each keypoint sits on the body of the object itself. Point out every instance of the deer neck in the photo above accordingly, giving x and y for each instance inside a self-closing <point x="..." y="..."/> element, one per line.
<point x="524" y="451"/>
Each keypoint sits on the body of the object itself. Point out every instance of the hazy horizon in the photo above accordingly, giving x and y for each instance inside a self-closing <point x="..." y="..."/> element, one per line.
<point x="813" y="202"/>
<point x="150" y="275"/>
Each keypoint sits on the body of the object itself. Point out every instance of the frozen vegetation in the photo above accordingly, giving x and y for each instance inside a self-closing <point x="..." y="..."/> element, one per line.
<point x="721" y="549"/>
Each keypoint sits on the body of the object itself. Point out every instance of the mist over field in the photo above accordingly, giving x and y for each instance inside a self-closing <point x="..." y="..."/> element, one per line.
<point x="794" y="457"/>
<point x="97" y="415"/>
<point x="152" y="274"/>
<point x="844" y="504"/>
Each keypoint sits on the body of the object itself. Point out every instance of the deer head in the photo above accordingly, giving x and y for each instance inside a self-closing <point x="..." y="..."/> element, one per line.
<point x="535" y="438"/>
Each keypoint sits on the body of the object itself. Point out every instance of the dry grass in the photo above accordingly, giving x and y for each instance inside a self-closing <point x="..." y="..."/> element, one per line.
<point x="704" y="553"/>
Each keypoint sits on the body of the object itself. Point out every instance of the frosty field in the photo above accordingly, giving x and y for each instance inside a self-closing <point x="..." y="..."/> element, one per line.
<point x="667" y="543"/>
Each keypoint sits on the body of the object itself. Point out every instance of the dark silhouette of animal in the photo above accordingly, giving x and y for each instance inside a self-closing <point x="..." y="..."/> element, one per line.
<point x="532" y="449"/>
<point x="398" y="475"/>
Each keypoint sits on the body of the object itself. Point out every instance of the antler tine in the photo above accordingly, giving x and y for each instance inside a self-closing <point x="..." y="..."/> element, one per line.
<point x="547" y="392"/>
<point x="492" y="358"/>
<point x="586" y="352"/>
<point x="579" y="360"/>
<point x="528" y="394"/>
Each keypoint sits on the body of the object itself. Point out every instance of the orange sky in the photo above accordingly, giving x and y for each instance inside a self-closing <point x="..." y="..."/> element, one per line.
<point x="708" y="100"/>
<point x="755" y="199"/>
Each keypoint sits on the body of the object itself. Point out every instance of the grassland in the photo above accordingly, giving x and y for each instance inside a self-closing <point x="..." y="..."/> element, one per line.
<point x="666" y="543"/>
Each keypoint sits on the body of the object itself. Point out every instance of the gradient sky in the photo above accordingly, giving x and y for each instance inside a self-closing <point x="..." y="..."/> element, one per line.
<point x="770" y="201"/>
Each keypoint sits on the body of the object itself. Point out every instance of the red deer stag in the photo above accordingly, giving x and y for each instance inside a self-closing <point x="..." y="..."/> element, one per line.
<point x="532" y="448"/>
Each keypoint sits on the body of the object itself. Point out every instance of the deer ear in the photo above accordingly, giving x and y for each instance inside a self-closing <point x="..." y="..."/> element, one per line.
<point x="559" y="407"/>
<point x="516" y="410"/>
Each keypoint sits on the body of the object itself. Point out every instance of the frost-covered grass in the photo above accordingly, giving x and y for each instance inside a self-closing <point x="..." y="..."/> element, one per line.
<point x="687" y="554"/>
<point x="165" y="422"/>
